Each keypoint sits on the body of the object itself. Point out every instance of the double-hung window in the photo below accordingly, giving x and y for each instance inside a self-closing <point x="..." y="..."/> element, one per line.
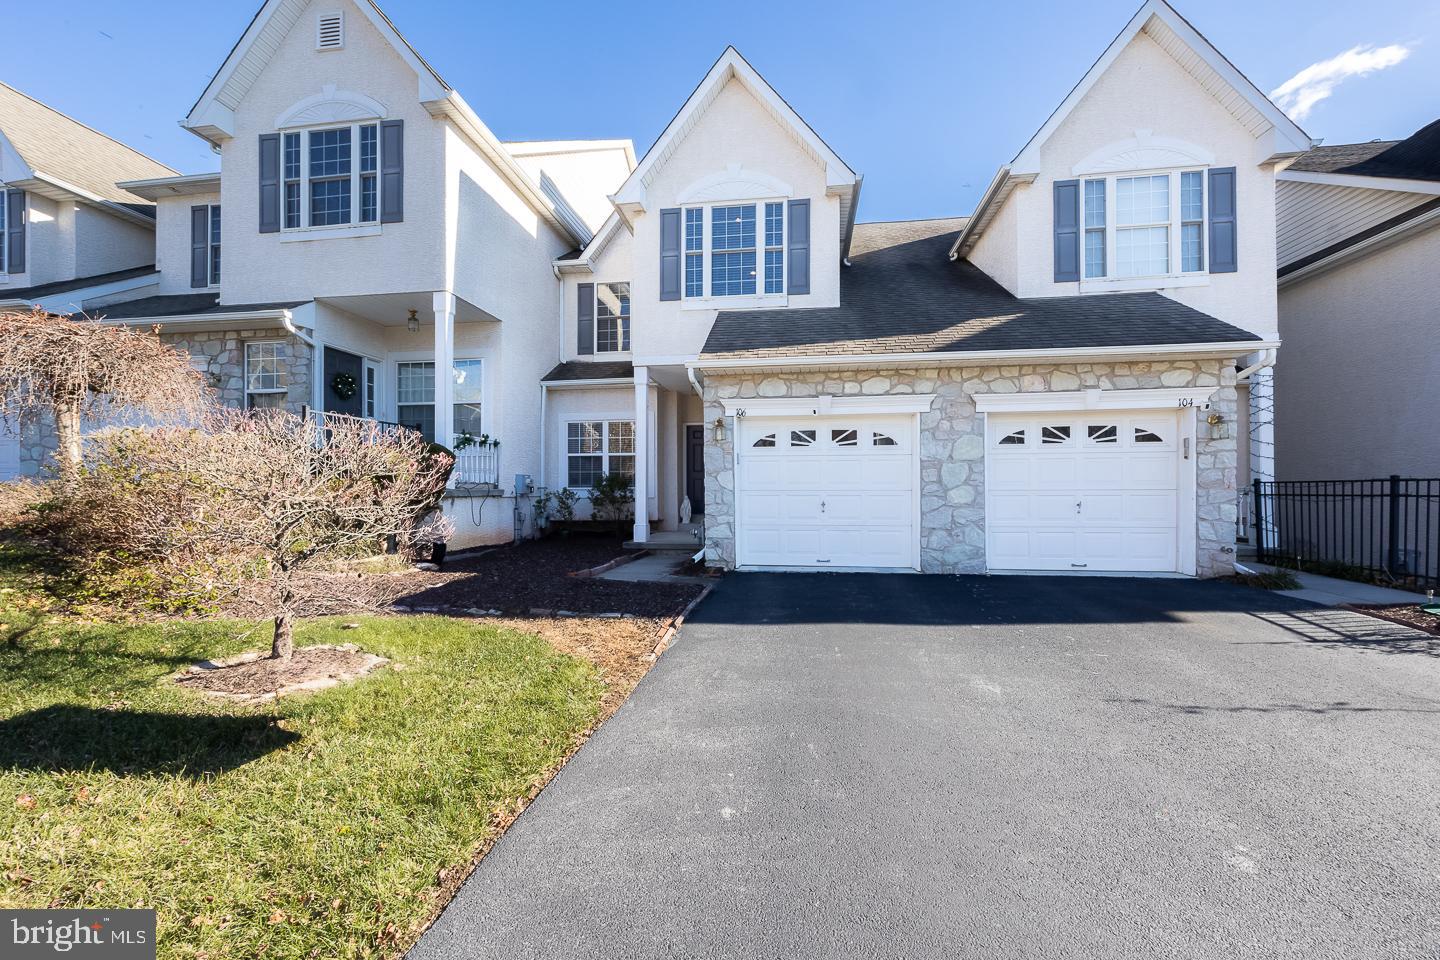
<point x="415" y="397"/>
<point x="1145" y="225"/>
<point x="214" y="244"/>
<point x="4" y="237"/>
<point x="266" y="366"/>
<point x="735" y="250"/>
<point x="331" y="176"/>
<point x="597" y="447"/>
<point x="612" y="317"/>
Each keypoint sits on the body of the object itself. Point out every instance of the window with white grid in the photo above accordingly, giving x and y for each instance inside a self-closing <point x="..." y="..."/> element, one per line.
<point x="594" y="448"/>
<point x="266" y="369"/>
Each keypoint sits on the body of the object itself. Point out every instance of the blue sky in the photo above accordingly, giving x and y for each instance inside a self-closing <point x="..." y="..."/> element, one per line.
<point x="926" y="100"/>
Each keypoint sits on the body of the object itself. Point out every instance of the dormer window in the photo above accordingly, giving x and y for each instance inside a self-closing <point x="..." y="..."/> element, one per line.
<point x="735" y="249"/>
<point x="1147" y="225"/>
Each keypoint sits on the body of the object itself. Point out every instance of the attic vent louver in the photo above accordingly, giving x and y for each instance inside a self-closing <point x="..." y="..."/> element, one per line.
<point x="330" y="31"/>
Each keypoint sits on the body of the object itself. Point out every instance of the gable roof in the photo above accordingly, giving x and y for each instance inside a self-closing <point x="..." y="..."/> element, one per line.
<point x="840" y="180"/>
<point x="212" y="117"/>
<point x="52" y="154"/>
<point x="1417" y="157"/>
<point x="1159" y="21"/>
<point x="902" y="296"/>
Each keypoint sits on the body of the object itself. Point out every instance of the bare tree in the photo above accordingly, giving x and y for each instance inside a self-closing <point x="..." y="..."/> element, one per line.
<point x="262" y="504"/>
<point x="79" y="368"/>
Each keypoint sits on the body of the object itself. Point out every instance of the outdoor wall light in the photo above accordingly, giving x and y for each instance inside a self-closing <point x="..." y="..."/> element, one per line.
<point x="413" y="324"/>
<point x="1218" y="430"/>
<point x="719" y="429"/>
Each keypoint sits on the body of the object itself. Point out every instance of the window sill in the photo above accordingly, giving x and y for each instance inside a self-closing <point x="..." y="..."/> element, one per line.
<point x="1145" y="283"/>
<point x="748" y="302"/>
<point x="302" y="234"/>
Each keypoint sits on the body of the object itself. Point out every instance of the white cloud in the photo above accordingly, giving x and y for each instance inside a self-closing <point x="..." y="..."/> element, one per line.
<point x="1299" y="95"/>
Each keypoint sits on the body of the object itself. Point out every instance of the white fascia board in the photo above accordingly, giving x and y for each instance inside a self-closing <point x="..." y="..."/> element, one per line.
<point x="838" y="175"/>
<point x="453" y="107"/>
<point x="825" y="405"/>
<point x="1159" y="398"/>
<point x="972" y="230"/>
<point x="194" y="319"/>
<point x="1394" y="184"/>
<point x="187" y="185"/>
<point x="597" y="243"/>
<point x="44" y="180"/>
<point x="545" y="148"/>
<point x="1289" y="136"/>
<point x="597" y="382"/>
<point x="991" y="357"/>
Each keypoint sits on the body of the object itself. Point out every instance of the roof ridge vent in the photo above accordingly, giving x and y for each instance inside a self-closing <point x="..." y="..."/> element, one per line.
<point x="330" y="30"/>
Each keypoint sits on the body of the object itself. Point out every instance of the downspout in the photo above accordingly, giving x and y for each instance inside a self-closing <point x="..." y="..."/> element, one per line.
<point x="287" y="320"/>
<point x="694" y="384"/>
<point x="544" y="396"/>
<point x="1267" y="359"/>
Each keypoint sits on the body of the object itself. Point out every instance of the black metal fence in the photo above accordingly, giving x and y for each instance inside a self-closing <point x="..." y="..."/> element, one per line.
<point x="1388" y="528"/>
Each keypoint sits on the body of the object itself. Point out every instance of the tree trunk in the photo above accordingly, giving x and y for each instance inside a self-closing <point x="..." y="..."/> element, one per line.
<point x="283" y="646"/>
<point x="67" y="431"/>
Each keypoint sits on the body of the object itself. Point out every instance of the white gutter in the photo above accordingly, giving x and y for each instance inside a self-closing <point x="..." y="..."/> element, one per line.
<point x="110" y="206"/>
<point x="191" y="318"/>
<point x="694" y="383"/>
<point x="952" y="358"/>
<point x="986" y="198"/>
<point x="610" y="382"/>
<point x="1267" y="359"/>
<point x="288" y="321"/>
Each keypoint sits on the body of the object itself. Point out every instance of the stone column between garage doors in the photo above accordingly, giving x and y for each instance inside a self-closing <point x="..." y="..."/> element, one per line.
<point x="952" y="446"/>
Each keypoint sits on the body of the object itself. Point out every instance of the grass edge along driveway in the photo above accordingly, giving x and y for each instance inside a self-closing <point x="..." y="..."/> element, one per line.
<point x="327" y="825"/>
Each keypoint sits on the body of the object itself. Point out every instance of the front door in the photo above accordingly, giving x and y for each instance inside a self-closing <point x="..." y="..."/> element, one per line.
<point x="695" y="468"/>
<point x="339" y="362"/>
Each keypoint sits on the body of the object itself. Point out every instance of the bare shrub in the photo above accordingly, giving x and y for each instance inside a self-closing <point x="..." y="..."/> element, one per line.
<point x="257" y="506"/>
<point x="79" y="369"/>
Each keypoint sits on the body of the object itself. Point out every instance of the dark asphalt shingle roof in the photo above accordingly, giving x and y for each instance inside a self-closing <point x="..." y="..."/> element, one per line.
<point x="902" y="294"/>
<point x="41" y="290"/>
<point x="184" y="305"/>
<point x="1417" y="157"/>
<point x="590" y="370"/>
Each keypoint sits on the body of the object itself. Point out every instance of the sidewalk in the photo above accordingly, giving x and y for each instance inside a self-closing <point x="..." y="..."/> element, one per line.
<point x="1332" y="592"/>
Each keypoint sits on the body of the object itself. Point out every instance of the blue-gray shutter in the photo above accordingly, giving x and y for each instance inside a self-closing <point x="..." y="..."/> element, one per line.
<point x="670" y="254"/>
<point x="798" y="253"/>
<point x="1224" y="240"/>
<point x="1067" y="230"/>
<point x="15" y="229"/>
<point x="269" y="183"/>
<point x="392" y="171"/>
<point x="200" y="246"/>
<point x="585" y="318"/>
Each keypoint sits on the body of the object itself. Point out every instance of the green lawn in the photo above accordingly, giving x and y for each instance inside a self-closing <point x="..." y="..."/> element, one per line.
<point x="311" y="827"/>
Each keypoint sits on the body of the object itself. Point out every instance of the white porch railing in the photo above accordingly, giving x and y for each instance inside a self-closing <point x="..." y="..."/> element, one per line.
<point x="478" y="464"/>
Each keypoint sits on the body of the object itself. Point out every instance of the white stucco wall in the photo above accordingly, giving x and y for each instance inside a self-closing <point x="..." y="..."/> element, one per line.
<point x="404" y="257"/>
<point x="568" y="404"/>
<point x="1358" y="377"/>
<point x="734" y="130"/>
<point x="104" y="243"/>
<point x="585" y="175"/>
<point x="1146" y="90"/>
<point x="67" y="239"/>
<point x="172" y="242"/>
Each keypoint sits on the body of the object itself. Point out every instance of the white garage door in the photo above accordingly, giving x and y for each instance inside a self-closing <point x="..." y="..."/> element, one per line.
<point x="1082" y="492"/>
<point x="9" y="456"/>
<point x="826" y="492"/>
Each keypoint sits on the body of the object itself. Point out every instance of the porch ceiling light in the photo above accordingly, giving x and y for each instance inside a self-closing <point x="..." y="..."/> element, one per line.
<point x="413" y="324"/>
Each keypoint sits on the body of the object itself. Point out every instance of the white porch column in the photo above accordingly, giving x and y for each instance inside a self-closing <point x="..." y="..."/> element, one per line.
<point x="444" y="304"/>
<point x="642" y="454"/>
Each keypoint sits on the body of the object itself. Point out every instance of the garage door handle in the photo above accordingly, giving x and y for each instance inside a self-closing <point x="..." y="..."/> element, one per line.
<point x="1077" y="505"/>
<point x="1079" y="564"/>
<point x="822" y="506"/>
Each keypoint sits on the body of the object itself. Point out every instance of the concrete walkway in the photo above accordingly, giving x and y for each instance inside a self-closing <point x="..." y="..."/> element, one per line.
<point x="658" y="567"/>
<point x="1332" y="592"/>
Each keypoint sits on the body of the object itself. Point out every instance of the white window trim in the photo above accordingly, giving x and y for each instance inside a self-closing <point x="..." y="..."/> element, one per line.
<point x="245" y="370"/>
<point x="1173" y="276"/>
<point x="605" y="453"/>
<point x="356" y="227"/>
<point x="595" y="340"/>
<point x="5" y="276"/>
<point x="749" y="300"/>
<point x="397" y="360"/>
<point x="211" y="244"/>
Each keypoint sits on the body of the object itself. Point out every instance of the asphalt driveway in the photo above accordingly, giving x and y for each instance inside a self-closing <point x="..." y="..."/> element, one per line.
<point x="872" y="766"/>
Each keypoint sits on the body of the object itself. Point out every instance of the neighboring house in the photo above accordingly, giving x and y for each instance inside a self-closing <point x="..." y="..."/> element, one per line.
<point x="1359" y="277"/>
<point x="70" y="239"/>
<point x="1050" y="384"/>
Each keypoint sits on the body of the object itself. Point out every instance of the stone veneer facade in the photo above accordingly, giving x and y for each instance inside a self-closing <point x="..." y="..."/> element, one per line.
<point x="952" y="446"/>
<point x="220" y="357"/>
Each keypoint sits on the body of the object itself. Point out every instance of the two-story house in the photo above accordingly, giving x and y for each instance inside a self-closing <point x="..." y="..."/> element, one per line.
<point x="70" y="239"/>
<point x="1053" y="383"/>
<point x="1049" y="384"/>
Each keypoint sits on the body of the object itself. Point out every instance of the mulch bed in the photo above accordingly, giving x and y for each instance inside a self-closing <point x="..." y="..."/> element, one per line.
<point x="1407" y="614"/>
<point x="534" y="575"/>
<point x="257" y="677"/>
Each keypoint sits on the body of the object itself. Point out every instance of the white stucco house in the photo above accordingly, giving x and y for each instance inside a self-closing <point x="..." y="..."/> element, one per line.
<point x="1057" y="382"/>
<point x="1358" y="247"/>
<point x="70" y="239"/>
